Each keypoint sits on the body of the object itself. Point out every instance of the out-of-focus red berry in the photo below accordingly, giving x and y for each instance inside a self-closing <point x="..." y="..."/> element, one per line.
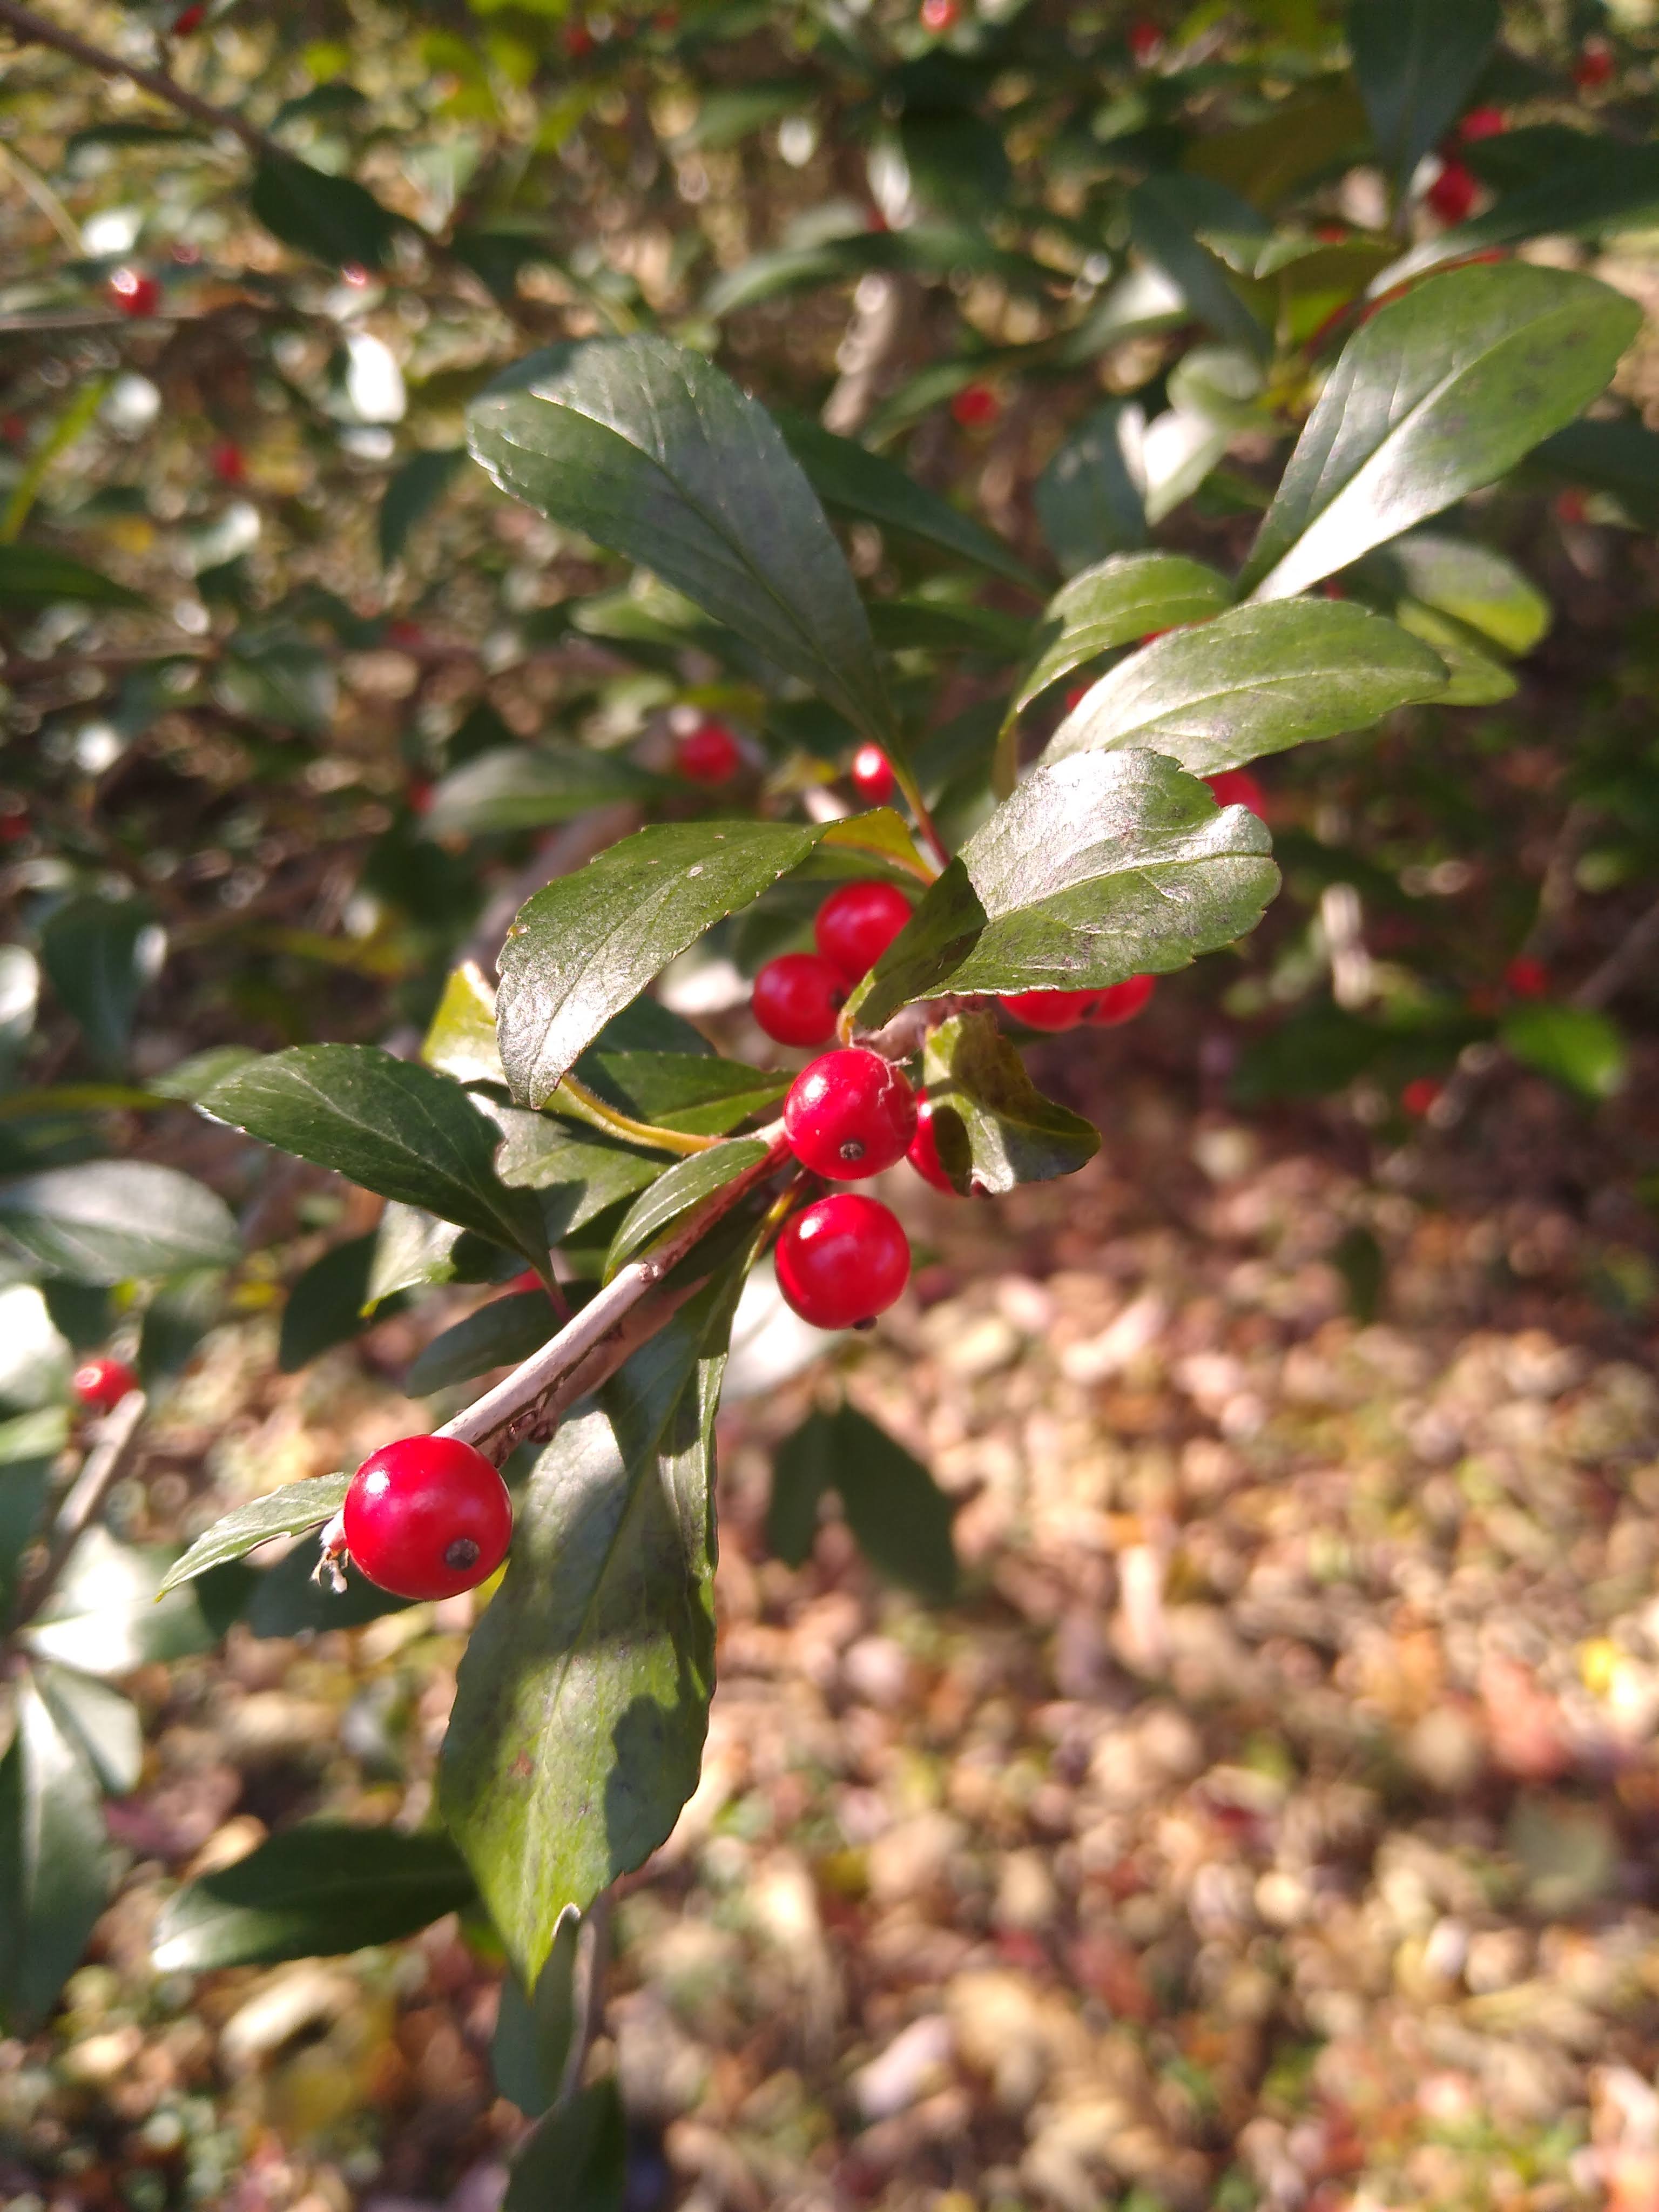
<point x="923" y="1154"/>
<point x="355" y="274"/>
<point x="940" y="15"/>
<point x="578" y="42"/>
<point x="420" y="795"/>
<point x="976" y="407"/>
<point x="1527" y="977"/>
<point x="1236" y="787"/>
<point x="1050" y="1010"/>
<point x="1121" y="1002"/>
<point x="406" y="634"/>
<point x="525" y="1279"/>
<point x="1453" y="192"/>
<point x="797" y="998"/>
<point x="188" y="20"/>
<point x="1331" y="234"/>
<point x="856" y="924"/>
<point x="226" y="462"/>
<point x="708" y="754"/>
<point x="1571" y="507"/>
<point x="1593" y="65"/>
<point x="1144" y="38"/>
<point x="872" y="775"/>
<point x="102" y="1383"/>
<point x="14" y="429"/>
<point x="1482" y="123"/>
<point x="13" y="821"/>
<point x="133" y="293"/>
<point x="1331" y="589"/>
<point x="1419" y="1095"/>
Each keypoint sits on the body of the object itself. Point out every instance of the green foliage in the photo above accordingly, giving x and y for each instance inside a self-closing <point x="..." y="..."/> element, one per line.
<point x="900" y="1516"/>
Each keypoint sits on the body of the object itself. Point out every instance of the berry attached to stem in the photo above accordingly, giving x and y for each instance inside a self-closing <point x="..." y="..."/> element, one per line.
<point x="797" y="998"/>
<point x="872" y="776"/>
<point x="856" y="925"/>
<point x="841" y="1261"/>
<point x="849" y="1114"/>
<point x="102" y="1383"/>
<point x="425" y="1517"/>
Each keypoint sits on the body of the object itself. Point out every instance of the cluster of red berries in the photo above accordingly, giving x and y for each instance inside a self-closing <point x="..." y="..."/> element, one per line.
<point x="102" y="1383"/>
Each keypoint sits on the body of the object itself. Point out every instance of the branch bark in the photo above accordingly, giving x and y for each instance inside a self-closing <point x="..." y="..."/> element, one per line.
<point x="41" y="31"/>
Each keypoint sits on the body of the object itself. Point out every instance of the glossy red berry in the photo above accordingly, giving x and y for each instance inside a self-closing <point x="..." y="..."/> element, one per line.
<point x="102" y="1383"/>
<point x="1527" y="977"/>
<point x="708" y="754"/>
<point x="1121" y="1002"/>
<point x="872" y="776"/>
<point x="1050" y="1010"/>
<point x="1420" y="1094"/>
<point x="226" y="462"/>
<point x="797" y="998"/>
<point x="841" y="1261"/>
<point x="939" y="15"/>
<point x="856" y="924"/>
<point x="849" y="1114"/>
<point x="1452" y="194"/>
<point x="923" y="1154"/>
<point x="427" y="1517"/>
<point x="1482" y="123"/>
<point x="976" y="407"/>
<point x="133" y="293"/>
<point x="1236" y="787"/>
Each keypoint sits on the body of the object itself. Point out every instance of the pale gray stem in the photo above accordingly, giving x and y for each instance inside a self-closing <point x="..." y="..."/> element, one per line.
<point x="872" y="340"/>
<point x="1622" y="964"/>
<point x="104" y="1466"/>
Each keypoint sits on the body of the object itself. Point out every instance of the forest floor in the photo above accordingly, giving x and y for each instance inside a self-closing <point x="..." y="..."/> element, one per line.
<point x="1274" y="1820"/>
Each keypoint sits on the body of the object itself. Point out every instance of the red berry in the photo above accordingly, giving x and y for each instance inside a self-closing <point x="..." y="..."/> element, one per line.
<point x="188" y="20"/>
<point x="1145" y="38"/>
<point x="1121" y="1002"/>
<point x="856" y="925"/>
<point x="578" y="42"/>
<point x="133" y="293"/>
<point x="13" y="821"/>
<point x="420" y="795"/>
<point x="1420" y="1094"/>
<point x="872" y="776"/>
<point x="103" y="1383"/>
<point x="1482" y="123"/>
<point x="1571" y="506"/>
<point x="708" y="754"/>
<point x="226" y="462"/>
<point x="1452" y="193"/>
<point x="427" y="1517"/>
<point x="1236" y="787"/>
<point x="1077" y="695"/>
<point x="1050" y="1010"/>
<point x="797" y="998"/>
<point x="923" y="1154"/>
<point x="939" y="15"/>
<point x="1593" y="65"/>
<point x="841" y="1261"/>
<point x="1527" y="977"/>
<point x="525" y="1279"/>
<point x="849" y="1114"/>
<point x="1331" y="234"/>
<point x="355" y="274"/>
<point x="976" y="407"/>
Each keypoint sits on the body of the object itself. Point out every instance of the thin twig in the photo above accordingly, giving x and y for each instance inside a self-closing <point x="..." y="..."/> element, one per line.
<point x="104" y="1466"/>
<point x="1621" y="965"/>
<point x="41" y="31"/>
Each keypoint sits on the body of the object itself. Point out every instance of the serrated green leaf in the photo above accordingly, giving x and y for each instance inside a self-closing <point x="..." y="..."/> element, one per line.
<point x="107" y="1221"/>
<point x="1167" y="211"/>
<point x="288" y="1511"/>
<point x="1437" y="394"/>
<point x="498" y="1335"/>
<point x="1009" y="1132"/>
<point x="1117" y="601"/>
<point x="531" y="2043"/>
<point x="325" y="1887"/>
<point x="583" y="948"/>
<point x="1252" y="681"/>
<point x="529" y="786"/>
<point x="578" y="1173"/>
<point x="676" y="1191"/>
<point x="647" y="448"/>
<point x="391" y="1125"/>
<point x="930" y="948"/>
<point x="697" y="1096"/>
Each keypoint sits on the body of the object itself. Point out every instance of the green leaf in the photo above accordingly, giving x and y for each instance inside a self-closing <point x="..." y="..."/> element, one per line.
<point x="1103" y="866"/>
<point x="1610" y="186"/>
<point x="698" y="1097"/>
<point x="994" y="1127"/>
<point x="54" y="1862"/>
<point x="1254" y="681"/>
<point x="583" y="948"/>
<point x="1620" y="456"/>
<point x="897" y="1511"/>
<point x="1089" y="497"/>
<point x="499" y="1335"/>
<point x="577" y="2157"/>
<point x="325" y="1305"/>
<point x="1167" y="211"/>
<point x="34" y="576"/>
<point x="531" y="2043"/>
<point x="1115" y="602"/>
<point x="103" y="1618"/>
<point x="461" y="1038"/>
<point x="100" y="1720"/>
<point x="1417" y="61"/>
<point x="851" y="480"/>
<point x="411" y="1248"/>
<point x="580" y="1174"/>
<point x="1439" y="394"/>
<point x="1475" y="678"/>
<point x="288" y="1511"/>
<point x="99" y="954"/>
<point x="109" y="1221"/>
<point x="684" y="1185"/>
<point x="412" y="492"/>
<point x="930" y="948"/>
<point x="1476" y="586"/>
<point x="332" y="218"/>
<point x="29" y="1446"/>
<point x="527" y="787"/>
<point x="648" y="449"/>
<point x="314" y="1891"/>
<point x="286" y="1600"/>
<point x="582" y="1700"/>
<point x="391" y="1125"/>
<point x="1578" y="1046"/>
